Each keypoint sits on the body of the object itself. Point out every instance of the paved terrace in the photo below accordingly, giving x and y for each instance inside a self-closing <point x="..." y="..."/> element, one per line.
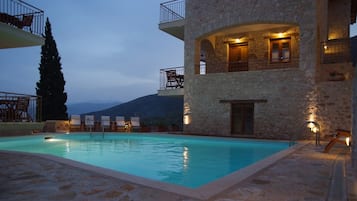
<point x="304" y="175"/>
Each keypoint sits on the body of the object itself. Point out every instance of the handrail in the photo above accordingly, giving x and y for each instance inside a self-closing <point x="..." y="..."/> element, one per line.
<point x="179" y="71"/>
<point x="19" y="107"/>
<point x="22" y="15"/>
<point x="172" y="11"/>
<point x="16" y="94"/>
<point x="335" y="51"/>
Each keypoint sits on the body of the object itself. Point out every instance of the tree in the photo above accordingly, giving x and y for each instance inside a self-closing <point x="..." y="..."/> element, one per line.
<point x="51" y="84"/>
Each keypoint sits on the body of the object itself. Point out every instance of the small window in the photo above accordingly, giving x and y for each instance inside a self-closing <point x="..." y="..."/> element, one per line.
<point x="280" y="50"/>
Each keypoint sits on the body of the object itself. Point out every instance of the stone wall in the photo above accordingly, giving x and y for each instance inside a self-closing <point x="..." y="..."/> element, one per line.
<point x="334" y="106"/>
<point x="292" y="94"/>
<point x="20" y="128"/>
<point x="338" y="18"/>
<point x="283" y="115"/>
<point x="354" y="124"/>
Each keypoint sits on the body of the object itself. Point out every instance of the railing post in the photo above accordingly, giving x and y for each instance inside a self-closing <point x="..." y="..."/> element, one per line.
<point x="172" y="10"/>
<point x="39" y="109"/>
<point x="22" y="15"/>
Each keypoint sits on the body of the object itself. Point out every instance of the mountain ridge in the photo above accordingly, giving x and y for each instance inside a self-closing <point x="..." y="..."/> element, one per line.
<point x="153" y="110"/>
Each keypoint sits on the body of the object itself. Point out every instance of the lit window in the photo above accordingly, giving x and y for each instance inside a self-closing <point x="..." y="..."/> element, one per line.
<point x="280" y="50"/>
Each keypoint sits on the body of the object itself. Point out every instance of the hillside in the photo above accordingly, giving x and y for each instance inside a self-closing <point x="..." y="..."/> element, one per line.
<point x="152" y="110"/>
<point x="80" y="108"/>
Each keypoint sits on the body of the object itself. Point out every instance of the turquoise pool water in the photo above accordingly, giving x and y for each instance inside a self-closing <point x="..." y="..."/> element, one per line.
<point x="182" y="160"/>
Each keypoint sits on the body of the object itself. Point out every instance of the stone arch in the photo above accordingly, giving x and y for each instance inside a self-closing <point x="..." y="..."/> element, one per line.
<point x="208" y="56"/>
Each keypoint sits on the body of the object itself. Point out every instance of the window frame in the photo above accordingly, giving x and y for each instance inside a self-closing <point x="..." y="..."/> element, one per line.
<point x="280" y="42"/>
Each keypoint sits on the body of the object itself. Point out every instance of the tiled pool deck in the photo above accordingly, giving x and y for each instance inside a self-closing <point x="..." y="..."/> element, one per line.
<point x="304" y="175"/>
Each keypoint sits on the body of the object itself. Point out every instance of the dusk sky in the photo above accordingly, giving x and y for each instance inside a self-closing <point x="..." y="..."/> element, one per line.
<point x="111" y="51"/>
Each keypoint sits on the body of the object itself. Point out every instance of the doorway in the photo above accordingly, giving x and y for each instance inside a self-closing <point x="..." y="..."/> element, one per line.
<point x="242" y="118"/>
<point x="238" y="57"/>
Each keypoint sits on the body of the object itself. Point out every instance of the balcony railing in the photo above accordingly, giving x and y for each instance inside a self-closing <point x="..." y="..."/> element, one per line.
<point x="172" y="78"/>
<point x="22" y="15"/>
<point x="172" y="11"/>
<point x="16" y="107"/>
<point x="335" y="51"/>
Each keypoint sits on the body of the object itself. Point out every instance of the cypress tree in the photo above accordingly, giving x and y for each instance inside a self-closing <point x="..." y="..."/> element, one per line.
<point x="51" y="84"/>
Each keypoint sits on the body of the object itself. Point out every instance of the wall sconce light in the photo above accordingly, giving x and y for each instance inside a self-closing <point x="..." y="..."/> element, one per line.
<point x="237" y="40"/>
<point x="186" y="119"/>
<point x="315" y="128"/>
<point x="348" y="142"/>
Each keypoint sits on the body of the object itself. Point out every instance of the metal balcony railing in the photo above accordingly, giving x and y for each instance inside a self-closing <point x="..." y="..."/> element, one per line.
<point x="172" y="78"/>
<point x="335" y="51"/>
<point x="22" y="15"/>
<point x="172" y="11"/>
<point x="16" y="107"/>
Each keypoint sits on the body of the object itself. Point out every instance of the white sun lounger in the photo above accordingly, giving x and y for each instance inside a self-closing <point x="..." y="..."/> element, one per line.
<point x="89" y="122"/>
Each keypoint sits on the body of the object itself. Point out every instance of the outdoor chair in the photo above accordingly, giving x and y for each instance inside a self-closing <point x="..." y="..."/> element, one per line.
<point x="89" y="122"/>
<point x="21" y="109"/>
<point x="120" y="123"/>
<point x="105" y="122"/>
<point x="171" y="79"/>
<point x="340" y="137"/>
<point x="75" y="122"/>
<point x="26" y="21"/>
<point x="13" y="20"/>
<point x="135" y="123"/>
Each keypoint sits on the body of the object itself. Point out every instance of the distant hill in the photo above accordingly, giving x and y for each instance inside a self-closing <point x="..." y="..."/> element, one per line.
<point x="85" y="107"/>
<point x="152" y="110"/>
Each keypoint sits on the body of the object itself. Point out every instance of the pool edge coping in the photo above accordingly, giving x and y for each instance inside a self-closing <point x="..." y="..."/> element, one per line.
<point x="202" y="193"/>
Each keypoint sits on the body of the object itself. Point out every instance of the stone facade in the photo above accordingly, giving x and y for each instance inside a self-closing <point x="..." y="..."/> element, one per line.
<point x="285" y="95"/>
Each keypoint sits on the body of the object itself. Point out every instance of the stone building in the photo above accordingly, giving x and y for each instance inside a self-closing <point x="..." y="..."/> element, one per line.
<point x="263" y="68"/>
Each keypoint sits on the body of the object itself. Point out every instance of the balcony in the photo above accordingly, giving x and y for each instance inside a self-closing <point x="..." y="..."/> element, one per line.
<point x="172" y="18"/>
<point x="335" y="51"/>
<point x="16" y="107"/>
<point x="172" y="82"/>
<point x="21" y="24"/>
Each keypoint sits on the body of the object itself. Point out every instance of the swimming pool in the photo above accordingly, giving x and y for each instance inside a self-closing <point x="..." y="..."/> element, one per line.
<point x="189" y="161"/>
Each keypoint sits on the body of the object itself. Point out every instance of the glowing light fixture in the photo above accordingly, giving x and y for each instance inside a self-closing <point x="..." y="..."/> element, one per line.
<point x="315" y="128"/>
<point x="348" y="141"/>
<point x="310" y="125"/>
<point x="237" y="40"/>
<point x="186" y="119"/>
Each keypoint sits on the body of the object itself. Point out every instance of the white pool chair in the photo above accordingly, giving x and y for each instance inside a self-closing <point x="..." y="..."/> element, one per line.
<point x="105" y="122"/>
<point x="75" y="122"/>
<point x="89" y="122"/>
<point x="135" y="123"/>
<point x="120" y="123"/>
